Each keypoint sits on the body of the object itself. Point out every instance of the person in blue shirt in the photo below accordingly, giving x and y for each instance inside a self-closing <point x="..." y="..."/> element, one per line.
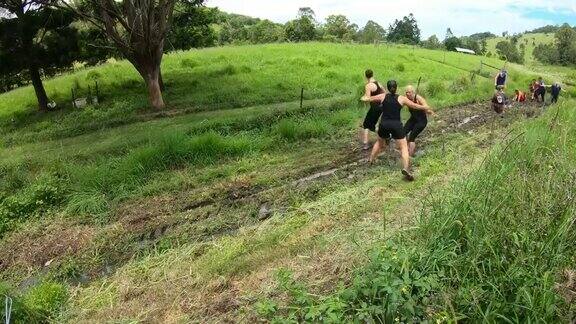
<point x="500" y="79"/>
<point x="555" y="91"/>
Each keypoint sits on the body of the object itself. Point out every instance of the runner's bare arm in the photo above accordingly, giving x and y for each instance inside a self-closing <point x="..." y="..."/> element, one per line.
<point x="422" y="101"/>
<point x="369" y="88"/>
<point x="407" y="102"/>
<point x="376" y="98"/>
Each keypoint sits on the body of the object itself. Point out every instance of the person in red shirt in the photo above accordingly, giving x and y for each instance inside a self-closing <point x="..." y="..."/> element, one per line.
<point x="519" y="96"/>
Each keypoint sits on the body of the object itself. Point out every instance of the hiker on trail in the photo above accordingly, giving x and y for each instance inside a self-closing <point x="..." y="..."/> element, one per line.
<point x="372" y="88"/>
<point x="391" y="125"/>
<point x="519" y="96"/>
<point x="556" y="88"/>
<point x="540" y="92"/>
<point x="499" y="101"/>
<point x="500" y="79"/>
<point x="417" y="121"/>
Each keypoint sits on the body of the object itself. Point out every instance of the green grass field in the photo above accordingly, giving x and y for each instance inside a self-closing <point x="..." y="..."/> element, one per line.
<point x="236" y="204"/>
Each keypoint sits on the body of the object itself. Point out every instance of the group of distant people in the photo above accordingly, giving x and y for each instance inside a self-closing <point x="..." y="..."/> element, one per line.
<point x="537" y="90"/>
<point x="385" y="105"/>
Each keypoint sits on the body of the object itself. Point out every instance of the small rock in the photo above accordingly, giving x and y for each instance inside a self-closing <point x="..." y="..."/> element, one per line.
<point x="264" y="212"/>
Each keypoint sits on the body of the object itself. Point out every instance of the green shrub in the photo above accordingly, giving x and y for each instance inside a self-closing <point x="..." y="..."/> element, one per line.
<point x="400" y="67"/>
<point x="46" y="299"/>
<point x="460" y="84"/>
<point x="31" y="201"/>
<point x="287" y="129"/>
<point x="435" y="88"/>
<point x="40" y="304"/>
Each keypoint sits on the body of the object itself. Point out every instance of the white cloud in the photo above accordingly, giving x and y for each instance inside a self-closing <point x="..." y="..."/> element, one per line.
<point x="464" y="17"/>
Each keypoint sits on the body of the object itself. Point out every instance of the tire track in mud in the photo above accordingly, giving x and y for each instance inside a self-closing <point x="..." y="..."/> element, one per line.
<point x="461" y="118"/>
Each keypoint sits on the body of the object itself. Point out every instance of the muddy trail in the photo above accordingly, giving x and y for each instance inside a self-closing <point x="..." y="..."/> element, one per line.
<point x="202" y="215"/>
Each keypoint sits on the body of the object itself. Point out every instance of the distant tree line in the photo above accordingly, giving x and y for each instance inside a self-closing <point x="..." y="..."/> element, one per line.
<point x="548" y="29"/>
<point x="41" y="38"/>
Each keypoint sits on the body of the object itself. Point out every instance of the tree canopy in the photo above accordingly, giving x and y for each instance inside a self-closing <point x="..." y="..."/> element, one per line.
<point x="34" y="39"/>
<point x="404" y="31"/>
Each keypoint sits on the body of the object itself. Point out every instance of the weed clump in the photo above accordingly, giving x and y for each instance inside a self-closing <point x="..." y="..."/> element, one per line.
<point x="460" y="84"/>
<point x="301" y="129"/>
<point x="189" y="63"/>
<point x="40" y="304"/>
<point x="435" y="88"/>
<point x="30" y="201"/>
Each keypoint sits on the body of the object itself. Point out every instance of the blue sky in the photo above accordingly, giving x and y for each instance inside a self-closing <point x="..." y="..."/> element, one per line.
<point x="464" y="17"/>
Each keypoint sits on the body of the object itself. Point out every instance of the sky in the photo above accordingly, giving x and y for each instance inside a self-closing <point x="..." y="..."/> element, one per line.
<point x="464" y="17"/>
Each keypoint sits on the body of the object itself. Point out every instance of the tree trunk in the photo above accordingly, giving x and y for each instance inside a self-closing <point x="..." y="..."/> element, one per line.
<point x="154" y="90"/>
<point x="39" y="88"/>
<point x="161" y="80"/>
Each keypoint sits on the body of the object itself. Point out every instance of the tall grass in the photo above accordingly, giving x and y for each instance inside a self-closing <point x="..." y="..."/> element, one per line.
<point x="93" y="187"/>
<point x="492" y="248"/>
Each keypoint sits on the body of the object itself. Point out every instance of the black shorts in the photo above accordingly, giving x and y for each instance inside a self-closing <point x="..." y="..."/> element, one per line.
<point x="391" y="128"/>
<point x="414" y="127"/>
<point x="372" y="117"/>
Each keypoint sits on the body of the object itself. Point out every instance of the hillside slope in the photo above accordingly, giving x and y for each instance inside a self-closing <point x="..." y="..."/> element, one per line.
<point x="117" y="213"/>
<point x="529" y="40"/>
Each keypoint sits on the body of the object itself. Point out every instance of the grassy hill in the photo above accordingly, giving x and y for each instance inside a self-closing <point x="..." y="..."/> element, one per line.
<point x="238" y="204"/>
<point x="529" y="40"/>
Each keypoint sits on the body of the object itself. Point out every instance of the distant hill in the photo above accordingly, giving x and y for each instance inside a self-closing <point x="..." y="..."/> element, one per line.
<point x="530" y="40"/>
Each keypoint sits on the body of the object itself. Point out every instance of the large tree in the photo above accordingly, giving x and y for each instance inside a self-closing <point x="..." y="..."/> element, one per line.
<point x="432" y="43"/>
<point x="191" y="27"/>
<point x="566" y="45"/>
<point x="338" y="27"/>
<point x="404" y="31"/>
<point x="372" y="32"/>
<point x="509" y="51"/>
<point x="303" y="28"/>
<point x="34" y="39"/>
<point x="138" y="28"/>
<point x="266" y="31"/>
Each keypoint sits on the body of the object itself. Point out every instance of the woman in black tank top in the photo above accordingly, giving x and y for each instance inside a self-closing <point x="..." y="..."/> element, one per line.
<point x="372" y="88"/>
<point x="391" y="125"/>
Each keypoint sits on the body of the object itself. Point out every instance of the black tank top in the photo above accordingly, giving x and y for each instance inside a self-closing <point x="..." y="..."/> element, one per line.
<point x="378" y="91"/>
<point x="419" y="115"/>
<point x="391" y="107"/>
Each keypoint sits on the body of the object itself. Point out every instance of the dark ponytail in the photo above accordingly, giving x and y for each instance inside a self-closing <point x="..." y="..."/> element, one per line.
<point x="392" y="86"/>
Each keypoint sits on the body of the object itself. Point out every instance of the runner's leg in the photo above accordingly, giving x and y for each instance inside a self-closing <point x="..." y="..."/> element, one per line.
<point x="403" y="147"/>
<point x="380" y="143"/>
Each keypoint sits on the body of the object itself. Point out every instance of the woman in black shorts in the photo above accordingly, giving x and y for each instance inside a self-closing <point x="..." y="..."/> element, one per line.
<point x="391" y="125"/>
<point x="372" y="88"/>
<point x="417" y="121"/>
